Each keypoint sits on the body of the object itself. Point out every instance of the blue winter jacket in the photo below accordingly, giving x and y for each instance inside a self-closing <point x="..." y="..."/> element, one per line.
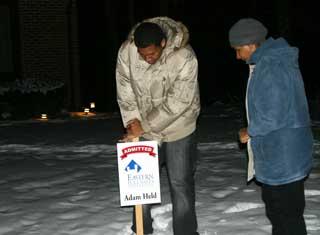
<point x="279" y="126"/>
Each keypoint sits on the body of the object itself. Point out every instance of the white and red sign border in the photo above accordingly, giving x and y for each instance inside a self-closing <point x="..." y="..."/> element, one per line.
<point x="138" y="168"/>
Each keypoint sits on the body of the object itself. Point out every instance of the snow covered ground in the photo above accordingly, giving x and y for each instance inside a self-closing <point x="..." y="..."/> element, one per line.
<point x="60" y="177"/>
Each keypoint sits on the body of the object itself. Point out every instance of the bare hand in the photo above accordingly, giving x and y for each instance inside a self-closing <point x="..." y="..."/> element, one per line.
<point x="134" y="128"/>
<point x="243" y="135"/>
<point x="134" y="131"/>
<point x="127" y="138"/>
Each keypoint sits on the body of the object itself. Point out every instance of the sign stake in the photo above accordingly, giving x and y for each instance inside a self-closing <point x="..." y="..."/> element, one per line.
<point x="139" y="219"/>
<point x="138" y="209"/>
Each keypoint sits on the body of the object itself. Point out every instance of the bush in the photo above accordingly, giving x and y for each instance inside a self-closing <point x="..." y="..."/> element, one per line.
<point x="30" y="97"/>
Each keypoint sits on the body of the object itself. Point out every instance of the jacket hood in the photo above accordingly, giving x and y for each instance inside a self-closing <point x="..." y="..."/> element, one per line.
<point x="276" y="50"/>
<point x="176" y="32"/>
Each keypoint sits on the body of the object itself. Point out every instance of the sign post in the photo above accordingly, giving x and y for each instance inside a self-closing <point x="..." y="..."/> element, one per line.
<point x="139" y="180"/>
<point x="139" y="219"/>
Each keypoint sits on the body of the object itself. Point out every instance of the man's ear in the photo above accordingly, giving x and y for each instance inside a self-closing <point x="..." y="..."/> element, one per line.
<point x="163" y="43"/>
<point x="253" y="46"/>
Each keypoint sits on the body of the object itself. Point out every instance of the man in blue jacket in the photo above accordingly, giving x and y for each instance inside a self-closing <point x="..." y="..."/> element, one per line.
<point x="278" y="135"/>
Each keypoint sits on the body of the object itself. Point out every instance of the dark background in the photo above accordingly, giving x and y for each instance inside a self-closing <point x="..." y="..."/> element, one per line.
<point x="104" y="25"/>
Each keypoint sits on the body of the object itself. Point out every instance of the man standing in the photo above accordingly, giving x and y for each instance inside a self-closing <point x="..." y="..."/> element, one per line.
<point x="278" y="133"/>
<point x="158" y="96"/>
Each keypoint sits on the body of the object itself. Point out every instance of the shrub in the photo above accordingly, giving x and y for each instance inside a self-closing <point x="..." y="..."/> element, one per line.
<point x="29" y="97"/>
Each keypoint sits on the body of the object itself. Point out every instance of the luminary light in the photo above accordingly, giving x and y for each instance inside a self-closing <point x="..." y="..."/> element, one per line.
<point x="92" y="105"/>
<point x="86" y="110"/>
<point x="44" y="116"/>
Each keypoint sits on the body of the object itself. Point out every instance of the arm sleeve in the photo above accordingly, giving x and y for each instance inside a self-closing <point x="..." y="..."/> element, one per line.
<point x="272" y="98"/>
<point x="125" y="94"/>
<point x="180" y="96"/>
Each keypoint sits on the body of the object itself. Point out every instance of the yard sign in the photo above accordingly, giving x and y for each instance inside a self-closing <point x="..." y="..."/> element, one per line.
<point x="138" y="169"/>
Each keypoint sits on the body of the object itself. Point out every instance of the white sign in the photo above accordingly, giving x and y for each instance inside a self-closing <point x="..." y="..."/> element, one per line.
<point x="138" y="169"/>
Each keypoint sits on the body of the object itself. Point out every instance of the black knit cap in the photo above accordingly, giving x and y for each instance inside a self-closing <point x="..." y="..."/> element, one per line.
<point x="247" y="31"/>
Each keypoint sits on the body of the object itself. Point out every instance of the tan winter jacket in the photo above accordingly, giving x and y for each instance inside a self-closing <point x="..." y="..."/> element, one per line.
<point x="164" y="96"/>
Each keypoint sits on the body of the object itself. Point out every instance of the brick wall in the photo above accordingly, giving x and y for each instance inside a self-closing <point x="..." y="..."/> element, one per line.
<point x="44" y="38"/>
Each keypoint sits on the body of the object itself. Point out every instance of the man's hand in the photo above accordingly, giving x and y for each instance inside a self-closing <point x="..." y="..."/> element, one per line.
<point x="134" y="128"/>
<point x="127" y="138"/>
<point x="243" y="135"/>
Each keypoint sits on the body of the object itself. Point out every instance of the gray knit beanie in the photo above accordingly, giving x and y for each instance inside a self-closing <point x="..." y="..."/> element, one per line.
<point x="247" y="31"/>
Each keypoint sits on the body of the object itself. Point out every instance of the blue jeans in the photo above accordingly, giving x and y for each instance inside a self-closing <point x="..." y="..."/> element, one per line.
<point x="180" y="159"/>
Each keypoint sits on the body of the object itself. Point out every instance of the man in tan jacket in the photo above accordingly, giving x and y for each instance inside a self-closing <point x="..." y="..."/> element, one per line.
<point x="158" y="96"/>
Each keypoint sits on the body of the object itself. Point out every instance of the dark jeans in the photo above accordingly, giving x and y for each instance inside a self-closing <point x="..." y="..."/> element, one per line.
<point x="284" y="207"/>
<point x="180" y="158"/>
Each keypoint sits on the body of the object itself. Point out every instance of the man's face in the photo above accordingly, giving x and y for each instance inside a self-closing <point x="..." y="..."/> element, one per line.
<point x="244" y="52"/>
<point x="152" y="53"/>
